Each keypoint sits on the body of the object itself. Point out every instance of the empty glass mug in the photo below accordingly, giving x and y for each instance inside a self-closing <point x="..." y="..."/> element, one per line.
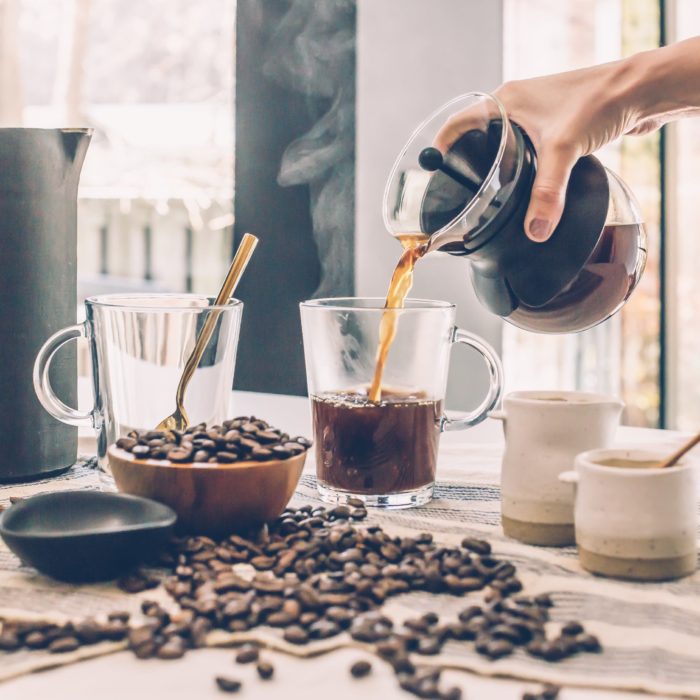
<point x="383" y="452"/>
<point x="139" y="345"/>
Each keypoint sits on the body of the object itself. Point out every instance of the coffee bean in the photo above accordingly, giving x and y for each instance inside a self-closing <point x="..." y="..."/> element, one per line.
<point x="296" y="635"/>
<point x="588" y="642"/>
<point x="126" y="443"/>
<point x="36" y="640"/>
<point x="323" y="629"/>
<point x="265" y="670"/>
<point x="543" y="600"/>
<point x="9" y="641"/>
<point x="247" y="655"/>
<point x="174" y="648"/>
<point x="360" y="669"/>
<point x="429" y="646"/>
<point x="227" y="684"/>
<point x="497" y="648"/>
<point x="62" y="645"/>
<point x="453" y="693"/>
<point x="478" y="546"/>
<point x="262" y="454"/>
<point x="571" y="629"/>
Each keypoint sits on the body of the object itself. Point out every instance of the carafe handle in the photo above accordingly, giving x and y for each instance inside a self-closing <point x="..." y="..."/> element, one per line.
<point x="495" y="392"/>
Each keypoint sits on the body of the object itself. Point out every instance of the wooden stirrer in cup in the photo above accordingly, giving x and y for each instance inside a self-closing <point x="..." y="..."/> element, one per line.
<point x="178" y="419"/>
<point x="670" y="461"/>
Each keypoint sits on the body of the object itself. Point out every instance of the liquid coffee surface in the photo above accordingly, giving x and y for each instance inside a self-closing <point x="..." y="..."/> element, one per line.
<point x="367" y="447"/>
<point x="605" y="282"/>
<point x="399" y="287"/>
<point x="628" y="463"/>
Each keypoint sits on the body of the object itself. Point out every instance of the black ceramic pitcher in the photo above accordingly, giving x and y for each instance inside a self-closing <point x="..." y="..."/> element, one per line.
<point x="39" y="173"/>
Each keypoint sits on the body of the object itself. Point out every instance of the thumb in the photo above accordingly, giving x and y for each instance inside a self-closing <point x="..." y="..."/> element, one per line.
<point x="548" y="192"/>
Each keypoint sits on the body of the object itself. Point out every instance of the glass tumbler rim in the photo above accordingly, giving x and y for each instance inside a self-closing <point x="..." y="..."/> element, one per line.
<point x="129" y="301"/>
<point x="444" y="108"/>
<point x="376" y="304"/>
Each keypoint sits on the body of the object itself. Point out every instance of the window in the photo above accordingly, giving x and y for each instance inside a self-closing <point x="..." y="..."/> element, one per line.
<point x="155" y="80"/>
<point x="621" y="356"/>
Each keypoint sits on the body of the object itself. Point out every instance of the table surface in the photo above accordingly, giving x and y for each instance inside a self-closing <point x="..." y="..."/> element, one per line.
<point x="122" y="675"/>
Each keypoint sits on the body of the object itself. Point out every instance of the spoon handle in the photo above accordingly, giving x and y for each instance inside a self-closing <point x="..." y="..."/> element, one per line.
<point x="235" y="272"/>
<point x="670" y="461"/>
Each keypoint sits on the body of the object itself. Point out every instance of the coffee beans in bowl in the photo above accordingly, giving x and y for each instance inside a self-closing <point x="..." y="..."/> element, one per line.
<point x="217" y="478"/>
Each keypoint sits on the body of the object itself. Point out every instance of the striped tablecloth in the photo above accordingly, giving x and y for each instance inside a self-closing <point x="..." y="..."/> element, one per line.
<point x="650" y="632"/>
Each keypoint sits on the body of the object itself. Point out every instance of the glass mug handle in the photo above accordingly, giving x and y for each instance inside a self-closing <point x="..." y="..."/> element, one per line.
<point x="42" y="384"/>
<point x="493" y="397"/>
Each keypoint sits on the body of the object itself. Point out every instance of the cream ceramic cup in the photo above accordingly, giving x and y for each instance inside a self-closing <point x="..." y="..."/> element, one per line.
<point x="634" y="520"/>
<point x="544" y="431"/>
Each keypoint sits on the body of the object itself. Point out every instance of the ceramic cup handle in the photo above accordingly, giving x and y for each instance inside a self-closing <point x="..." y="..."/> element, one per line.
<point x="495" y="392"/>
<point x="42" y="384"/>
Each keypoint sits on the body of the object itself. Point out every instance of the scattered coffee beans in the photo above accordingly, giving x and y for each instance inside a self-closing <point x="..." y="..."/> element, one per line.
<point x="314" y="573"/>
<point x="549" y="691"/>
<point x="241" y="439"/>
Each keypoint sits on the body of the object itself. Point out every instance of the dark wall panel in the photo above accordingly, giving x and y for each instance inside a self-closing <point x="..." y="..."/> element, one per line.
<point x="294" y="177"/>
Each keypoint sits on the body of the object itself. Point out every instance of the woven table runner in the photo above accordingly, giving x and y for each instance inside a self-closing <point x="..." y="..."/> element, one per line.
<point x="650" y="632"/>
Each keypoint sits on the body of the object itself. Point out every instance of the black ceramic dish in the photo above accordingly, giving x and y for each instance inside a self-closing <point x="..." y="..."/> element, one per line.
<point x="86" y="535"/>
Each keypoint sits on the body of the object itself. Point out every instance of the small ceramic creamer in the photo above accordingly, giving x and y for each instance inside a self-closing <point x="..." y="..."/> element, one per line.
<point x="634" y="520"/>
<point x="544" y="431"/>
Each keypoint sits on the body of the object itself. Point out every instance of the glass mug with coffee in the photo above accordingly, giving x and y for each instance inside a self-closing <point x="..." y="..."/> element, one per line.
<point x="382" y="448"/>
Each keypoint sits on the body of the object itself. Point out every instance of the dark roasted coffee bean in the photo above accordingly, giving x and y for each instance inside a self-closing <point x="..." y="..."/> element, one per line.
<point x="9" y="641"/>
<point x="453" y="693"/>
<point x="227" y="684"/>
<point x="36" y="640"/>
<point x="126" y="443"/>
<point x="505" y="632"/>
<point x="388" y="649"/>
<point x="263" y="563"/>
<point x="402" y="664"/>
<point x="550" y="691"/>
<point x="431" y="618"/>
<point x="429" y="646"/>
<point x="478" y="546"/>
<point x="497" y="648"/>
<point x="262" y="454"/>
<point x="470" y="612"/>
<point x="63" y="645"/>
<point x="174" y="648"/>
<point x="247" y="445"/>
<point x="281" y="452"/>
<point x="360" y="669"/>
<point x="543" y="600"/>
<point x="571" y="629"/>
<point x="226" y="457"/>
<point x="247" y="655"/>
<point x="265" y="670"/>
<point x="588" y="642"/>
<point x="140" y="450"/>
<point x="180" y="455"/>
<point x="323" y="629"/>
<point x="417" y="624"/>
<point x="296" y="635"/>
<point x="339" y="512"/>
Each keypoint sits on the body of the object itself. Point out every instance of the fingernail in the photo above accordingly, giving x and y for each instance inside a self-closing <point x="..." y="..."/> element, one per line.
<point x="539" y="229"/>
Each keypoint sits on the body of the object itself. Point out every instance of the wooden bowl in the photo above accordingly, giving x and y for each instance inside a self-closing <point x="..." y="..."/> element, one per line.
<point x="211" y="498"/>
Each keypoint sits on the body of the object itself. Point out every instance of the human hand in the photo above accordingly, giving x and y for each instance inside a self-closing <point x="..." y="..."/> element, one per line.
<point x="566" y="116"/>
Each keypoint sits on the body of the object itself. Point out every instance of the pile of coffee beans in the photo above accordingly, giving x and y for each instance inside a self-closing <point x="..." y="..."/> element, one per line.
<point x="60" y="639"/>
<point x="315" y="573"/>
<point x="239" y="439"/>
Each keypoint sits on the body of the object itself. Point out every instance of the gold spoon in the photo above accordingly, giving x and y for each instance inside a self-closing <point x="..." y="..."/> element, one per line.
<point x="178" y="420"/>
<point x="670" y="461"/>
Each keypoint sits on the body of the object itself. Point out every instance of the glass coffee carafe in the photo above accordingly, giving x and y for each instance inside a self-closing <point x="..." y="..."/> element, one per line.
<point x="471" y="201"/>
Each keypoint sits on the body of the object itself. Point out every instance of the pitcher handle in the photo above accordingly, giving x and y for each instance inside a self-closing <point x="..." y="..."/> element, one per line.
<point x="495" y="392"/>
<point x="42" y="384"/>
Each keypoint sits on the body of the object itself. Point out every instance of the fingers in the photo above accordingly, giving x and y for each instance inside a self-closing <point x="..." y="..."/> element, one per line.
<point x="458" y="124"/>
<point x="548" y="191"/>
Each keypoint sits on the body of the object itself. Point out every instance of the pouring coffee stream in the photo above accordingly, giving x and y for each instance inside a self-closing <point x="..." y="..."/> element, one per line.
<point x="178" y="420"/>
